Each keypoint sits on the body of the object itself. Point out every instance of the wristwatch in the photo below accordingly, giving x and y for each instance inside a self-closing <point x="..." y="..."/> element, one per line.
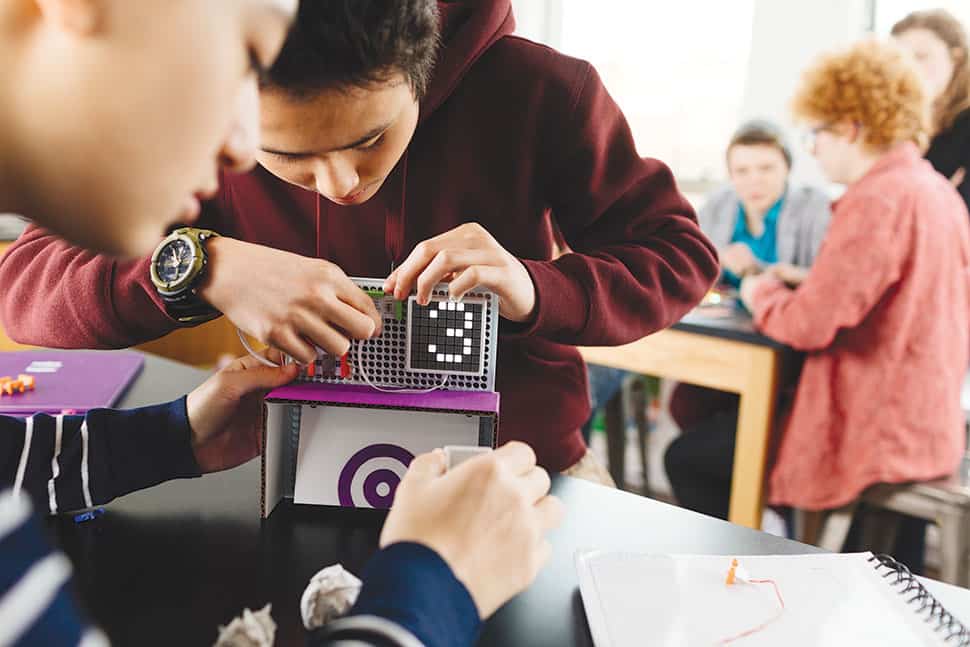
<point x="177" y="268"/>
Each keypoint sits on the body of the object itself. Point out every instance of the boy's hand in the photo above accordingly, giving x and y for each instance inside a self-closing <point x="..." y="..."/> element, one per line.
<point x="738" y="259"/>
<point x="790" y="275"/>
<point x="487" y="518"/>
<point x="287" y="301"/>
<point x="468" y="257"/>
<point x="749" y="285"/>
<point x="225" y="411"/>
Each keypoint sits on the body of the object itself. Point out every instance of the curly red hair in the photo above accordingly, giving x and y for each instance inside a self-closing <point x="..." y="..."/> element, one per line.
<point x="873" y="84"/>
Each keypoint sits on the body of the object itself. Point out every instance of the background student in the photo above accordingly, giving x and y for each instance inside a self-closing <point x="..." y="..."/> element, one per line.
<point x="883" y="315"/>
<point x="939" y="45"/>
<point x="759" y="221"/>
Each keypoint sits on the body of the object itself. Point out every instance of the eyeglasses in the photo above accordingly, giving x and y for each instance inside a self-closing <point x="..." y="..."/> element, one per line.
<point x="809" y="136"/>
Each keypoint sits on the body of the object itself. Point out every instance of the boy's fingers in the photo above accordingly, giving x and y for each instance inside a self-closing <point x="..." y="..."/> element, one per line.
<point x="516" y="456"/>
<point x="428" y="465"/>
<point x="550" y="512"/>
<point x="476" y="276"/>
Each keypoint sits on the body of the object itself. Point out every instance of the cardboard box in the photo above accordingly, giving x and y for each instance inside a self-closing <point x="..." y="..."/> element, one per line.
<point x="349" y="446"/>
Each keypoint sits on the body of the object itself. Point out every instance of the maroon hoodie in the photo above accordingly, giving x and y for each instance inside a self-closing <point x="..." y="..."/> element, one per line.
<point x="513" y="135"/>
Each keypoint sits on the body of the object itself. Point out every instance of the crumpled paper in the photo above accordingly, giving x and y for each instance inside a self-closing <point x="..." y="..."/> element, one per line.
<point x="330" y="594"/>
<point x="250" y="630"/>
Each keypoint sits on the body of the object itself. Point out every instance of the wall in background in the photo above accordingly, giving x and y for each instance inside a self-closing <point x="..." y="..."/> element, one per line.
<point x="679" y="79"/>
<point x="785" y="38"/>
<point x="888" y="12"/>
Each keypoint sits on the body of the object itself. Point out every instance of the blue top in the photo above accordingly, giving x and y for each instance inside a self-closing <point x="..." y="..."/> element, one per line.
<point x="764" y="247"/>
<point x="409" y="594"/>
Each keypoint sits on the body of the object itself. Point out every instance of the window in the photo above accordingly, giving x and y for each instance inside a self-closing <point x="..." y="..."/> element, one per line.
<point x="677" y="70"/>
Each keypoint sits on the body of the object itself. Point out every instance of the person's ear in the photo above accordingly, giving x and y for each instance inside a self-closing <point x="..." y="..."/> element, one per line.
<point x="958" y="55"/>
<point x="81" y="17"/>
<point x="852" y="131"/>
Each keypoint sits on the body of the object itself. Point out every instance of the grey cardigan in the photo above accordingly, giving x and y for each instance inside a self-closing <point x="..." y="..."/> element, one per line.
<point x="802" y="223"/>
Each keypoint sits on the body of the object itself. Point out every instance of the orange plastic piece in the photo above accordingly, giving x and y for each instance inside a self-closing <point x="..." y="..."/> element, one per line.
<point x="10" y="386"/>
<point x="731" y="575"/>
<point x="27" y="380"/>
<point x="344" y="366"/>
<point x="310" y="369"/>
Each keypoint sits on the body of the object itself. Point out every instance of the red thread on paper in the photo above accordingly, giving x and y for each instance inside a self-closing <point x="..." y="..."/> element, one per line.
<point x="761" y="627"/>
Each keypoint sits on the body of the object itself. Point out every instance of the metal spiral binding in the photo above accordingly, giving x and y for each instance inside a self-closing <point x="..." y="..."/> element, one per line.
<point x="954" y="632"/>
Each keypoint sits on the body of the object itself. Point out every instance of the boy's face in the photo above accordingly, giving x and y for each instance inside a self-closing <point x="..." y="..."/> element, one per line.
<point x="759" y="173"/>
<point x="341" y="143"/>
<point x="134" y="105"/>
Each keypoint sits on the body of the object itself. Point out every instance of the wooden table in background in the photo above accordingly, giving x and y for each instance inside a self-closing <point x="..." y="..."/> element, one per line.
<point x="728" y="354"/>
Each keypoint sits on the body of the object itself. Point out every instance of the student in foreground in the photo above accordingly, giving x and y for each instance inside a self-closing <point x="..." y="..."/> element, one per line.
<point x="383" y="150"/>
<point x="883" y="315"/>
<point x="111" y="173"/>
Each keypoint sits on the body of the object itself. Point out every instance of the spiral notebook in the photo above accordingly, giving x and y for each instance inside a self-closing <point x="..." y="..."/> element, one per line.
<point x="859" y="599"/>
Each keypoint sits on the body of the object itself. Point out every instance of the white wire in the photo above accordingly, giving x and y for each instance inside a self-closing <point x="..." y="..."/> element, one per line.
<point x="363" y="374"/>
<point x="249" y="349"/>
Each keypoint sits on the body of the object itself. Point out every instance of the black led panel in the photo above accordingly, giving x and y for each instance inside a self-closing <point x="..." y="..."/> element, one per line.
<point x="446" y="336"/>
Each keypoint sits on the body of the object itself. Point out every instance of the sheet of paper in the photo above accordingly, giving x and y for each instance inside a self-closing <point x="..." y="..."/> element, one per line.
<point x="633" y="600"/>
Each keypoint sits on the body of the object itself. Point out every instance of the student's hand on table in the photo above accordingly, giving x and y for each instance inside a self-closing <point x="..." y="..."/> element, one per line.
<point x="788" y="274"/>
<point x="287" y="301"/>
<point x="749" y="285"/>
<point x="225" y="411"/>
<point x="957" y="178"/>
<point x="468" y="257"/>
<point x="738" y="259"/>
<point x="487" y="518"/>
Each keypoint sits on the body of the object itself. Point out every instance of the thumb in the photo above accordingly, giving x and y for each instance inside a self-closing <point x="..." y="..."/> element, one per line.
<point x="427" y="466"/>
<point x="263" y="377"/>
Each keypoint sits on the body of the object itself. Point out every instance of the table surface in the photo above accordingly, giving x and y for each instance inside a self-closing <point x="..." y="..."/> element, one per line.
<point x="731" y="323"/>
<point x="166" y="565"/>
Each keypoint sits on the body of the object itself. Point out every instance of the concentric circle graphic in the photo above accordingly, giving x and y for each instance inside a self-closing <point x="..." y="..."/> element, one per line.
<point x="371" y="476"/>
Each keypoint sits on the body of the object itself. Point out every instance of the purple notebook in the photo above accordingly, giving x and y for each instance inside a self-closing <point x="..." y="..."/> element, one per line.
<point x="75" y="381"/>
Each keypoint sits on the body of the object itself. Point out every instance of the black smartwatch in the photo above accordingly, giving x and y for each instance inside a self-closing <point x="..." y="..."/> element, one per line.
<point x="177" y="268"/>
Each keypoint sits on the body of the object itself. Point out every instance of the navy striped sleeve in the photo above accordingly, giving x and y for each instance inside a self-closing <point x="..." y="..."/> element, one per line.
<point x="36" y="607"/>
<point x="73" y="462"/>
<point x="411" y="586"/>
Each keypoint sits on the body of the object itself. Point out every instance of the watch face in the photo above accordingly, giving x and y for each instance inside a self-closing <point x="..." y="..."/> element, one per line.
<point x="174" y="261"/>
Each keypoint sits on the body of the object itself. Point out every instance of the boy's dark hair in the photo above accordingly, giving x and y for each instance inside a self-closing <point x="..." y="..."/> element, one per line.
<point x="762" y="132"/>
<point x="353" y="43"/>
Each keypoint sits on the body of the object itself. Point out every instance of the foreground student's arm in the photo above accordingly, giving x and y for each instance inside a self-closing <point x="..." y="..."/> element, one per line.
<point x="57" y="295"/>
<point x="47" y="298"/>
<point x="439" y="573"/>
<point x="70" y="462"/>
<point x="860" y="260"/>
<point x="639" y="260"/>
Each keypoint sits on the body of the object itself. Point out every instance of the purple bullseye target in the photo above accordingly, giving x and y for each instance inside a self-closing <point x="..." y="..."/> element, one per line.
<point x="374" y="472"/>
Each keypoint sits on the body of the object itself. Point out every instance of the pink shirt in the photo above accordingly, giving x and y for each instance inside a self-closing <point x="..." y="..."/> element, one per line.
<point x="883" y="317"/>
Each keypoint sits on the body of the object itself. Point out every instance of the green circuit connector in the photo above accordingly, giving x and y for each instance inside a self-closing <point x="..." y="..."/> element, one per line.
<point x="399" y="310"/>
<point x="375" y="294"/>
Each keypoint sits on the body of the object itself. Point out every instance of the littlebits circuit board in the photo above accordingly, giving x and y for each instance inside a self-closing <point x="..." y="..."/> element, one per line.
<point x="420" y="345"/>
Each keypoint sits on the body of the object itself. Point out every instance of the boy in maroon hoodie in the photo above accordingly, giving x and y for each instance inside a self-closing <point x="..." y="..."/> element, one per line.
<point x="375" y="164"/>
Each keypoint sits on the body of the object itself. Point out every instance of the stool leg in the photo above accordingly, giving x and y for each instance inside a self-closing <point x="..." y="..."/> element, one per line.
<point x="835" y="528"/>
<point x="638" y="399"/>
<point x="808" y="525"/>
<point x="614" y="422"/>
<point x="954" y="536"/>
<point x="879" y="530"/>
